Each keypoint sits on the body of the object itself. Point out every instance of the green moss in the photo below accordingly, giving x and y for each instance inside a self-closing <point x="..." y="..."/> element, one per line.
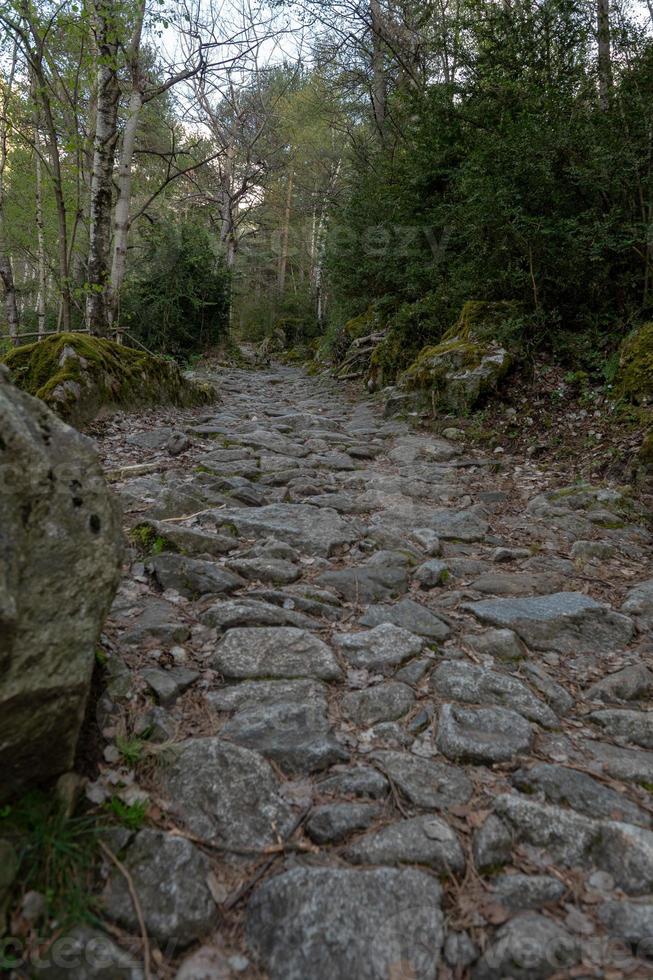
<point x="148" y="540"/>
<point x="433" y="363"/>
<point x="487" y="321"/>
<point x="362" y="325"/>
<point x="570" y="491"/>
<point x="634" y="379"/>
<point x="610" y="524"/>
<point x="78" y="376"/>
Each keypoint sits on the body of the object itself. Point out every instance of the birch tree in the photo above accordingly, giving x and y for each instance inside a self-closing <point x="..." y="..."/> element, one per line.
<point x="105" y="30"/>
<point x="6" y="269"/>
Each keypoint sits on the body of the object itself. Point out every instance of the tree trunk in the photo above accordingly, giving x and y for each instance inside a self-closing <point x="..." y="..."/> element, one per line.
<point x="121" y="215"/>
<point x="378" y="69"/>
<point x="121" y="219"/>
<point x="40" y="236"/>
<point x="104" y="145"/>
<point x="7" y="276"/>
<point x="285" y="236"/>
<point x="6" y="270"/>
<point x="227" y="218"/>
<point x="64" y="319"/>
<point x="605" y="56"/>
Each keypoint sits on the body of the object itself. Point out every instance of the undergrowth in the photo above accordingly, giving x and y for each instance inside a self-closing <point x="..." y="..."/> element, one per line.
<point x="57" y="855"/>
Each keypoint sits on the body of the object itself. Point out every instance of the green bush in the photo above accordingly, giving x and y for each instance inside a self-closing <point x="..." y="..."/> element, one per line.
<point x="177" y="300"/>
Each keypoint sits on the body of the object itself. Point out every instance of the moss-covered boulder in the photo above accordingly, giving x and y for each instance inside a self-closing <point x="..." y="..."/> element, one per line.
<point x="79" y="377"/>
<point x="634" y="380"/>
<point x="500" y="321"/>
<point x="465" y="367"/>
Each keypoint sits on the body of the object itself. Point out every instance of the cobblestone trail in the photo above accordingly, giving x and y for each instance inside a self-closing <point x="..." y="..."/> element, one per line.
<point x="391" y="701"/>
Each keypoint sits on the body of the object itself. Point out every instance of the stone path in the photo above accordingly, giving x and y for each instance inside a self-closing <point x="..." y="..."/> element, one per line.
<point x="389" y="702"/>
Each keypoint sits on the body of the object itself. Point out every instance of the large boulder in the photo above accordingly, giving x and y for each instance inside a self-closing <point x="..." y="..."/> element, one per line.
<point x="79" y="376"/>
<point x="60" y="551"/>
<point x="634" y="380"/>
<point x="467" y="364"/>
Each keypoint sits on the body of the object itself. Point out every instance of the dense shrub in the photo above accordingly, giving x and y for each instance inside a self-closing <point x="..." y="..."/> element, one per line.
<point x="177" y="300"/>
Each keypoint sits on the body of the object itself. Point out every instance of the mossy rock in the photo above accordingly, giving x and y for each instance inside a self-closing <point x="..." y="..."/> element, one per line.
<point x="634" y="379"/>
<point x="488" y="321"/>
<point x="457" y="373"/>
<point x="362" y="325"/>
<point x="79" y="377"/>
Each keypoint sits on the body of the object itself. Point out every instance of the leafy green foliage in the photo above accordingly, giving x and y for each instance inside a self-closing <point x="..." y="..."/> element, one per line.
<point x="129" y="815"/>
<point x="131" y="749"/>
<point x="510" y="185"/>
<point x="177" y="299"/>
<point x="56" y="855"/>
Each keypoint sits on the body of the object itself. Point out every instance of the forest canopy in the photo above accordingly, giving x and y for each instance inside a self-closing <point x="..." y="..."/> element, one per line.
<point x="183" y="170"/>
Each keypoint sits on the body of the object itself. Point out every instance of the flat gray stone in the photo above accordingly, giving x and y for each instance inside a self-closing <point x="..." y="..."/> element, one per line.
<point x="633" y="726"/>
<point x="382" y="702"/>
<point x="630" y="684"/>
<point x="427" y="539"/>
<point x="155" y="619"/>
<point x="417" y="840"/>
<point x="579" y="791"/>
<point x="432" y="573"/>
<point x="639" y="603"/>
<point x="226" y="794"/>
<point x="332" y="822"/>
<point x="170" y="877"/>
<point x="427" y="784"/>
<point x="359" y="781"/>
<point x="303" y="597"/>
<point x="463" y="525"/>
<point x="380" y="649"/>
<point x="623" y="850"/>
<point x="168" y="685"/>
<point x="312" y="530"/>
<point x="479" y="685"/>
<point x="329" y="924"/>
<point x="502" y="644"/>
<point x="266" y="652"/>
<point x="229" y="613"/>
<point x="517" y="892"/>
<point x="246" y="694"/>
<point x="521" y="583"/>
<point x="554" y="694"/>
<point x="529" y="947"/>
<point x="150" y="438"/>
<point x="631" y="765"/>
<point x="410" y="615"/>
<point x="631" y="922"/>
<point x="587" y="550"/>
<point x="366" y="583"/>
<point x="568" y="622"/>
<point x="192" y="577"/>
<point x="191" y="541"/>
<point x="295" y="735"/>
<point x="491" y="844"/>
<point x="482" y="735"/>
<point x="274" y="571"/>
